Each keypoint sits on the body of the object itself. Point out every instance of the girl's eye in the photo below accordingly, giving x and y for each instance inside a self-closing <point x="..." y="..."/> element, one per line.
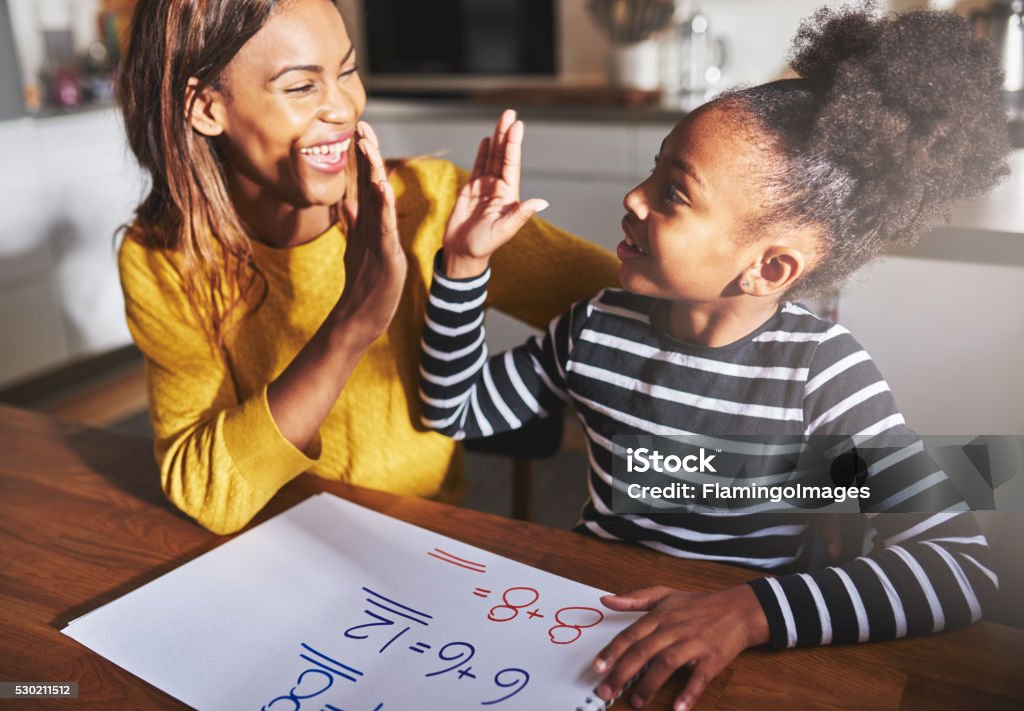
<point x="675" y="195"/>
<point x="348" y="72"/>
<point x="299" y="89"/>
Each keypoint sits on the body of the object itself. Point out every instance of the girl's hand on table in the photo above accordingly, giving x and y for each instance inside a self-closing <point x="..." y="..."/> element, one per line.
<point x="487" y="213"/>
<point x="704" y="631"/>
<point x="375" y="265"/>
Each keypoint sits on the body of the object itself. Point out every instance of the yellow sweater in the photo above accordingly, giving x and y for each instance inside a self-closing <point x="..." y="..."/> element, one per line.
<point x="221" y="455"/>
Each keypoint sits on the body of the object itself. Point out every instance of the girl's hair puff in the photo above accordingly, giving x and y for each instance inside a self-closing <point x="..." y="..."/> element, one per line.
<point x="891" y="120"/>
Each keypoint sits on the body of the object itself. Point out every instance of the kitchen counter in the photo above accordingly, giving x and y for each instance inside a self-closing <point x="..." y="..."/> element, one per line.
<point x="1002" y="209"/>
<point x="423" y="109"/>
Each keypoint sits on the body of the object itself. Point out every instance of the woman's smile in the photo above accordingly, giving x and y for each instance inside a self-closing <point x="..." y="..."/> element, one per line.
<point x="287" y="115"/>
<point x="329" y="155"/>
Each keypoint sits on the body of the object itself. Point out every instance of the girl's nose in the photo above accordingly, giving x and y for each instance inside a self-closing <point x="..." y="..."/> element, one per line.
<point x="635" y="201"/>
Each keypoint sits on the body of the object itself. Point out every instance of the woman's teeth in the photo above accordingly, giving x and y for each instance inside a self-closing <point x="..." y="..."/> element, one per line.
<point x="329" y="151"/>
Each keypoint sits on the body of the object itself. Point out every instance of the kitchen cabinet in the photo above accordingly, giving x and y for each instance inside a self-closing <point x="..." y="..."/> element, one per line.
<point x="949" y="338"/>
<point x="945" y="320"/>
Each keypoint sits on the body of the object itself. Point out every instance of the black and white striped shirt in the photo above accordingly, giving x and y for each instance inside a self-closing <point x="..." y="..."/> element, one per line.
<point x="795" y="375"/>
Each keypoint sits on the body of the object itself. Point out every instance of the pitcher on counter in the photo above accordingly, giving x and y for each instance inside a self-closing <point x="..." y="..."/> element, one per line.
<point x="760" y="196"/>
<point x="278" y="306"/>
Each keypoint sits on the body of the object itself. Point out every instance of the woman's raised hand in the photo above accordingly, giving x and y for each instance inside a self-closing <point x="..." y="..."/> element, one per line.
<point x="375" y="265"/>
<point x="487" y="213"/>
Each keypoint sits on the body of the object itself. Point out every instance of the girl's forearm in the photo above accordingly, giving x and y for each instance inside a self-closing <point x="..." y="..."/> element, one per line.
<point x="463" y="267"/>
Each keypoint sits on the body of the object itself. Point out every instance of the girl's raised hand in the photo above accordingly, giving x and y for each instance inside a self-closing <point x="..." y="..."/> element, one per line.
<point x="702" y="631"/>
<point x="487" y="213"/>
<point x="375" y="265"/>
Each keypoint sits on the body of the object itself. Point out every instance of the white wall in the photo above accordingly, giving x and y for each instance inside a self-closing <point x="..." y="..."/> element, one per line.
<point x="67" y="183"/>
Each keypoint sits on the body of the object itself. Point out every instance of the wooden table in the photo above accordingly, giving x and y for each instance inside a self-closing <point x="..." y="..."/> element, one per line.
<point x="83" y="521"/>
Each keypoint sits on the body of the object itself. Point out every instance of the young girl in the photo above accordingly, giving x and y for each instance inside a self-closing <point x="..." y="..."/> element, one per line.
<point x="278" y="308"/>
<point x="758" y="196"/>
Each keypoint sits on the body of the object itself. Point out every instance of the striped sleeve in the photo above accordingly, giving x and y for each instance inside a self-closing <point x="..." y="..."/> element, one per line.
<point x="929" y="571"/>
<point x="466" y="394"/>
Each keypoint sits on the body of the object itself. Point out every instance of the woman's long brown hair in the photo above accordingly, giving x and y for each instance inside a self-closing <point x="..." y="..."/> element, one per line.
<point x="188" y="209"/>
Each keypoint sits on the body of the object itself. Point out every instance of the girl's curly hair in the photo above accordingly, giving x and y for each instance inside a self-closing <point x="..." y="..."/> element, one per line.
<point x="891" y="120"/>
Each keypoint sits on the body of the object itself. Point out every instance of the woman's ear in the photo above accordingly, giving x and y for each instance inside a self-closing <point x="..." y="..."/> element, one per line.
<point x="205" y="109"/>
<point x="777" y="270"/>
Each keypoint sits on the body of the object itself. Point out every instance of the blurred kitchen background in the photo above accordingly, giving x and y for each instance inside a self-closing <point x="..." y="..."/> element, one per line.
<point x="599" y="84"/>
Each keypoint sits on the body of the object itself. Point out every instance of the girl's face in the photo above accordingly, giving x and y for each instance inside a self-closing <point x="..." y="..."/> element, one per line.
<point x="686" y="225"/>
<point x="290" y="101"/>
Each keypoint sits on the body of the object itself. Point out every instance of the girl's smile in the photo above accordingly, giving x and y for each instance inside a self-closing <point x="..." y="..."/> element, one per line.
<point x="684" y="227"/>
<point x="628" y="247"/>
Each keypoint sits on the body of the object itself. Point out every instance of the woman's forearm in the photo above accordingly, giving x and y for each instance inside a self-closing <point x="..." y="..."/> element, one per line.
<point x="375" y="269"/>
<point x="302" y="395"/>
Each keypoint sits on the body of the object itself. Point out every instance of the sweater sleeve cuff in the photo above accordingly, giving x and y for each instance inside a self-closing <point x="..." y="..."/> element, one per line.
<point x="777" y="627"/>
<point x="261" y="454"/>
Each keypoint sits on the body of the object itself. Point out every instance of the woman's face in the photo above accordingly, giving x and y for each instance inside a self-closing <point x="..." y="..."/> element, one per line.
<point x="686" y="226"/>
<point x="290" y="101"/>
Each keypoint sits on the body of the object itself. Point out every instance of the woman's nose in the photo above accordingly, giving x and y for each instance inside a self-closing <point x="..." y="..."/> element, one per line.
<point x="338" y="107"/>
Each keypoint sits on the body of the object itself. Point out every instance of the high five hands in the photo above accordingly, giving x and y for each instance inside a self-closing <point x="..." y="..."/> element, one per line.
<point x="487" y="213"/>
<point x="375" y="265"/>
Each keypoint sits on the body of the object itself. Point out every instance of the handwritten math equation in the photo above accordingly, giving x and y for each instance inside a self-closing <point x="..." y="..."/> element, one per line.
<point x="397" y="629"/>
<point x="455" y="658"/>
<point x="393" y="621"/>
<point x="325" y="671"/>
<point x="569" y="622"/>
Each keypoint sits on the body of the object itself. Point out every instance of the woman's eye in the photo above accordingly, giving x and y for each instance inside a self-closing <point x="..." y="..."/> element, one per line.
<point x="345" y="74"/>
<point x="299" y="89"/>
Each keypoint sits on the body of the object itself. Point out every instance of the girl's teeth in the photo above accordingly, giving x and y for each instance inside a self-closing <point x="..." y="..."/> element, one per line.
<point x="629" y="241"/>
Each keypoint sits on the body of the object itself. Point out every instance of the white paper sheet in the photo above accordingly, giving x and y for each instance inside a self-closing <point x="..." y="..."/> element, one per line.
<point x="333" y="607"/>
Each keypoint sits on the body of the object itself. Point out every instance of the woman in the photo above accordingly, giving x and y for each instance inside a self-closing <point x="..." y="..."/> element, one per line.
<point x="271" y="348"/>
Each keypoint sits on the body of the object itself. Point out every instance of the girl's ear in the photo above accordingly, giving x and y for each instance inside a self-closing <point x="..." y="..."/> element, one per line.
<point x="777" y="270"/>
<point x="205" y="110"/>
